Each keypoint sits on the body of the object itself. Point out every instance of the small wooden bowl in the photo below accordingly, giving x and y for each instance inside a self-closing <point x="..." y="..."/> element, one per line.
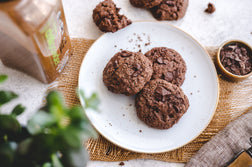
<point x="228" y="74"/>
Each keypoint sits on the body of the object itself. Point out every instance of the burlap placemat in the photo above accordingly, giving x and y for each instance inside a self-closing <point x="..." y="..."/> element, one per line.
<point x="235" y="99"/>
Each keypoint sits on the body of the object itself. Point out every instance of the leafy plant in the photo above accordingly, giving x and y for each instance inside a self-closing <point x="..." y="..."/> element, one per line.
<point x="53" y="137"/>
<point x="3" y="78"/>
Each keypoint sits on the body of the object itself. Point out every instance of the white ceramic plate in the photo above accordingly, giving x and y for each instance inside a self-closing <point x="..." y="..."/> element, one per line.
<point x="117" y="120"/>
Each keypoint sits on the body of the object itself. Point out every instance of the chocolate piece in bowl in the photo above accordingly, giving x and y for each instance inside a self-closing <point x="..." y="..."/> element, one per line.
<point x="145" y="3"/>
<point x="167" y="64"/>
<point x="236" y="58"/>
<point x="127" y="72"/>
<point x="170" y="9"/>
<point x="106" y="16"/>
<point x="161" y="104"/>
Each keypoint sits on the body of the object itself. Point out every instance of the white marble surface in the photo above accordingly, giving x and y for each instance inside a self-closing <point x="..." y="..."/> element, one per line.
<point x="232" y="20"/>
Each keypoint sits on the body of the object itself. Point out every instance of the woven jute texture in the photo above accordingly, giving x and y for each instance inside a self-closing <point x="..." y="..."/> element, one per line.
<point x="235" y="100"/>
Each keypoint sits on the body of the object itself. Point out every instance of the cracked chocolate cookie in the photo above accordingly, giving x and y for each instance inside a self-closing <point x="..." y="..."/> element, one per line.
<point x="106" y="16"/>
<point x="127" y="72"/>
<point x="167" y="65"/>
<point x="170" y="9"/>
<point x="145" y="3"/>
<point x="161" y="104"/>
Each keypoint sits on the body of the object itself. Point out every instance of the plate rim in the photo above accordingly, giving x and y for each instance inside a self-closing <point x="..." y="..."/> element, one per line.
<point x="215" y="107"/>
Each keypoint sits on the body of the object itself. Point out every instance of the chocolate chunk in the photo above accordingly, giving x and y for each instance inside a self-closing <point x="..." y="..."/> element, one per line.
<point x="116" y="65"/>
<point x="162" y="91"/>
<point x="168" y="76"/>
<point x="160" y="60"/>
<point x="170" y="3"/>
<point x="237" y="58"/>
<point x="210" y="8"/>
<point x="232" y="47"/>
<point x="125" y="54"/>
<point x="137" y="67"/>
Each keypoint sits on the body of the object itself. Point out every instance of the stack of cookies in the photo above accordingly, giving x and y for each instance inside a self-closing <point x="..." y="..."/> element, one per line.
<point x="155" y="79"/>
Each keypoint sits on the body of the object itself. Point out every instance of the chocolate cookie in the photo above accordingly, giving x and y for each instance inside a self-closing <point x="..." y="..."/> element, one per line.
<point x="167" y="65"/>
<point x="106" y="16"/>
<point x="145" y="3"/>
<point x="170" y="9"/>
<point x="127" y="72"/>
<point x="161" y="104"/>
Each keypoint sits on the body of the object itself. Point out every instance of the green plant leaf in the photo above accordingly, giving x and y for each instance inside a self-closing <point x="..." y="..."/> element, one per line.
<point x="75" y="158"/>
<point x="72" y="137"/>
<point x="55" y="161"/>
<point x="24" y="146"/>
<point x="19" y="109"/>
<point x="3" y="78"/>
<point x="6" y="96"/>
<point x="38" y="148"/>
<point x="92" y="102"/>
<point x="88" y="130"/>
<point x="9" y="125"/>
<point x="47" y="164"/>
<point x="80" y="93"/>
<point x="76" y="114"/>
<point x="54" y="98"/>
<point x="7" y="153"/>
<point x="39" y="122"/>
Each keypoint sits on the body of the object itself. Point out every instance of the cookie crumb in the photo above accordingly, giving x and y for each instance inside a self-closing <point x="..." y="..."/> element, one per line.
<point x="131" y="40"/>
<point x="139" y="46"/>
<point x="149" y="42"/>
<point x="121" y="49"/>
<point x="115" y="46"/>
<point x="123" y="115"/>
<point x="140" y="131"/>
<point x="194" y="76"/>
<point x="146" y="44"/>
<point x="198" y="91"/>
<point x="134" y="33"/>
<point x="130" y="104"/>
<point x="140" y="50"/>
<point x="210" y="8"/>
<point x="121" y="164"/>
<point x="110" y="124"/>
<point x="108" y="150"/>
<point x="139" y="38"/>
<point x="190" y="93"/>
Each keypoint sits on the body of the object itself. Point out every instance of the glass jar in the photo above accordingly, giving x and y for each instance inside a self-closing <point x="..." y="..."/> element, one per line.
<point x="34" y="37"/>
